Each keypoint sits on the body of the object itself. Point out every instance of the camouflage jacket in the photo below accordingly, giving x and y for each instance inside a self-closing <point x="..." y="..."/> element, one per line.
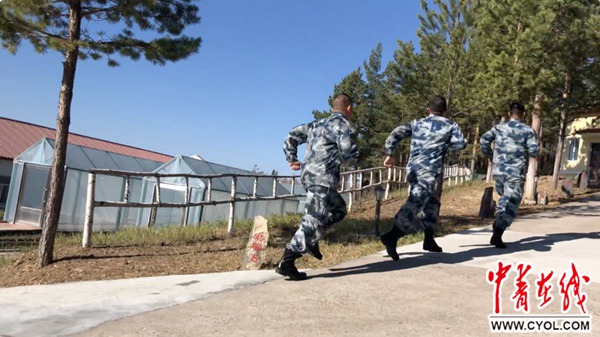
<point x="431" y="137"/>
<point x="329" y="143"/>
<point x="514" y="143"/>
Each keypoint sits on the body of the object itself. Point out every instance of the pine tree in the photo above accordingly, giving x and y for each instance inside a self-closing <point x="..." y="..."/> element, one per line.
<point x="78" y="30"/>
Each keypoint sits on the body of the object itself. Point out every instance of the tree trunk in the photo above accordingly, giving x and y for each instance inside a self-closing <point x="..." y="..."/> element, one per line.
<point x="475" y="140"/>
<point x="490" y="169"/>
<point x="536" y="124"/>
<point x="57" y="174"/>
<point x="562" y="130"/>
<point x="559" y="147"/>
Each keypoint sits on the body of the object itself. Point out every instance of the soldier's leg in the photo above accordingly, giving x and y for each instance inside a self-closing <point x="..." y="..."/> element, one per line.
<point x="510" y="190"/>
<point x="511" y="199"/>
<point x="404" y="221"/>
<point x="337" y="209"/>
<point x="431" y="211"/>
<point x="337" y="212"/>
<point x="309" y="231"/>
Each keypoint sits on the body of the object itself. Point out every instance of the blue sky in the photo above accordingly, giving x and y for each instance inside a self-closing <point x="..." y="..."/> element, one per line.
<point x="262" y="68"/>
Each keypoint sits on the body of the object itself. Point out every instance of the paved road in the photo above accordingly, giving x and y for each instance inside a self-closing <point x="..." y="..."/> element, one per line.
<point x="423" y="294"/>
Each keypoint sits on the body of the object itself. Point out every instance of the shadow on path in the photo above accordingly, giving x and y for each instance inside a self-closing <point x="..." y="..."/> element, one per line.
<point x="420" y="259"/>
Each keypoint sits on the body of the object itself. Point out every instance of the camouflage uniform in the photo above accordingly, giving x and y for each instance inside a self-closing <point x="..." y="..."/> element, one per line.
<point x="431" y="137"/>
<point x="514" y="142"/>
<point x="329" y="143"/>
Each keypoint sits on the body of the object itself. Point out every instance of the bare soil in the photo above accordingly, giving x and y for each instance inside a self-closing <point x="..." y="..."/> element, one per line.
<point x="460" y="208"/>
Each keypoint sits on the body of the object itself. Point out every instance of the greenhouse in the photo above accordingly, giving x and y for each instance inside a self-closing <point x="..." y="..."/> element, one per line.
<point x="172" y="190"/>
<point x="30" y="177"/>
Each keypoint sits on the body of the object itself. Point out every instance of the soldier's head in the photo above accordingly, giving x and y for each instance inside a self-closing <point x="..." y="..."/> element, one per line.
<point x="437" y="105"/>
<point x="342" y="103"/>
<point x="517" y="110"/>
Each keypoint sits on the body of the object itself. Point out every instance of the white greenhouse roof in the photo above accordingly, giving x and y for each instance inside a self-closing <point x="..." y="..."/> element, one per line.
<point x="84" y="158"/>
<point x="245" y="185"/>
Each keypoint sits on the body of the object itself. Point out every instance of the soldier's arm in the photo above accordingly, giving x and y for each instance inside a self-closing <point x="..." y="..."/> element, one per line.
<point x="346" y="145"/>
<point x="296" y="137"/>
<point x="486" y="143"/>
<point x="532" y="145"/>
<point x="457" y="140"/>
<point x="396" y="137"/>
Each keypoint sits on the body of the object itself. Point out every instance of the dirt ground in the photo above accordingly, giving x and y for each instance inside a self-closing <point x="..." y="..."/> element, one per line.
<point x="460" y="208"/>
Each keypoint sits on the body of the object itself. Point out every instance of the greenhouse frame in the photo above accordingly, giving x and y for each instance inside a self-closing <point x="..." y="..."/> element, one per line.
<point x="172" y="190"/>
<point x="30" y="178"/>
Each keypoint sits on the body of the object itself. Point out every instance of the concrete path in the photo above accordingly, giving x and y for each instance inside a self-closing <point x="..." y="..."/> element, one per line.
<point x="423" y="294"/>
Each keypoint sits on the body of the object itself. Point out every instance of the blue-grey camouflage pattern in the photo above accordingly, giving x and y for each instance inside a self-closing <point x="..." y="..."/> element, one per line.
<point x="514" y="143"/>
<point x="329" y="143"/>
<point x="421" y="197"/>
<point x="324" y="207"/>
<point x="510" y="190"/>
<point x="431" y="137"/>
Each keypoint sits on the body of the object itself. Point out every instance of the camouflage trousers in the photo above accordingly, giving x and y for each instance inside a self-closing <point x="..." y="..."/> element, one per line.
<point x="510" y="190"/>
<point x="324" y="207"/>
<point x="421" y="198"/>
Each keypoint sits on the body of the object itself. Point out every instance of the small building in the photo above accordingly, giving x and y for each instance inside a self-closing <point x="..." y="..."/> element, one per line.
<point x="30" y="179"/>
<point x="581" y="151"/>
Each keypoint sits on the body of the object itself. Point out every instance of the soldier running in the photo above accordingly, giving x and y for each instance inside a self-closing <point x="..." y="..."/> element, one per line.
<point x="431" y="137"/>
<point x="329" y="143"/>
<point x="514" y="142"/>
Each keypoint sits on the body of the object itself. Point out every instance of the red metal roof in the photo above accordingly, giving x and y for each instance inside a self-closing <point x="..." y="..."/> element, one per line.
<point x="17" y="136"/>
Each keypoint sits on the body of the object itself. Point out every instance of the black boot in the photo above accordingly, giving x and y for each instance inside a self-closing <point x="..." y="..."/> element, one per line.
<point x="287" y="268"/>
<point x="390" y="240"/>
<point x="497" y="237"/>
<point x="314" y="251"/>
<point x="429" y="242"/>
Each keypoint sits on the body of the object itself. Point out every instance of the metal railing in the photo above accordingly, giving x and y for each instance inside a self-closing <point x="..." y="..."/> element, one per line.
<point x="351" y="182"/>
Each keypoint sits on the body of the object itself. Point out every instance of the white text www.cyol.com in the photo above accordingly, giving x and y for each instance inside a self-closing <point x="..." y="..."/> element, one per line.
<point x="540" y="323"/>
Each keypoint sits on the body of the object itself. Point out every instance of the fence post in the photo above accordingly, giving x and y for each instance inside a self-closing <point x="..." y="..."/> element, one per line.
<point x="158" y="189"/>
<point x="232" y="204"/>
<point x="387" y="184"/>
<point x="351" y="194"/>
<point x="89" y="210"/>
<point x="293" y="192"/>
<point x="184" y="215"/>
<point x="209" y="193"/>
<point x="154" y="209"/>
<point x="127" y="188"/>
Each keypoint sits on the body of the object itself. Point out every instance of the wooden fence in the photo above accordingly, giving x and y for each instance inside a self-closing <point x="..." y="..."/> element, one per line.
<point x="351" y="182"/>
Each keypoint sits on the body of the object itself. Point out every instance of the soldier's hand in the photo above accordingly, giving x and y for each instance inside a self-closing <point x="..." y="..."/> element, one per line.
<point x="296" y="166"/>
<point x="388" y="162"/>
